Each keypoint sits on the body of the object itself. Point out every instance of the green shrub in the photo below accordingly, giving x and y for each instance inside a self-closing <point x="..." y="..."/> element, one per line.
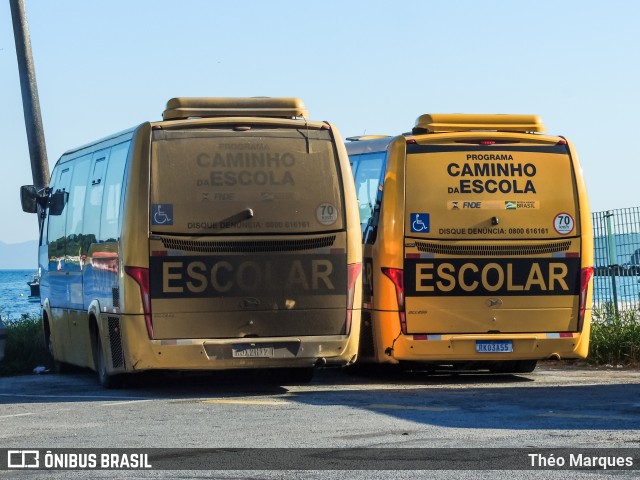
<point x="25" y="348"/>
<point x="615" y="338"/>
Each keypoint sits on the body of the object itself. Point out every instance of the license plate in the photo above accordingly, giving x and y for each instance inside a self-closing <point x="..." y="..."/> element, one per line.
<point x="241" y="351"/>
<point x="496" y="346"/>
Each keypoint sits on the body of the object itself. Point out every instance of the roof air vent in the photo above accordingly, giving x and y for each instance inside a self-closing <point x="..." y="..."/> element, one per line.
<point x="201" y="107"/>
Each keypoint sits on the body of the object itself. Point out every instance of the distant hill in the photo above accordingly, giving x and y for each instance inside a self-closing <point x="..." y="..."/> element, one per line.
<point x="19" y="256"/>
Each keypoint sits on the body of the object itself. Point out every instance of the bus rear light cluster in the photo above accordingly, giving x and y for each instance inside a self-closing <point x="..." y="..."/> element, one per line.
<point x="586" y="274"/>
<point x="396" y="275"/>
<point x="353" y="271"/>
<point x="141" y="276"/>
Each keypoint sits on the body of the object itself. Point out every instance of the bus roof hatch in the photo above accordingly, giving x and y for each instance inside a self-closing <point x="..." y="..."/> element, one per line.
<point x="198" y="107"/>
<point x="463" y="122"/>
<point x="366" y="137"/>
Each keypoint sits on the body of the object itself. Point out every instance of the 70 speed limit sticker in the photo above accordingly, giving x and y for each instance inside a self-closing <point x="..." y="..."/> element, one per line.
<point x="563" y="223"/>
<point x="326" y="214"/>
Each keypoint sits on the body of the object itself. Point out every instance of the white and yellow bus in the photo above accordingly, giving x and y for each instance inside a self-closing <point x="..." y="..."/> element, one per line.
<point x="223" y="237"/>
<point x="478" y="248"/>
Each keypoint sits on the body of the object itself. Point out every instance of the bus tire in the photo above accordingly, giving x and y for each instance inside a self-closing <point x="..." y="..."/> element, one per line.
<point x="367" y="369"/>
<point x="56" y="365"/>
<point x="106" y="379"/>
<point x="60" y="367"/>
<point x="513" y="366"/>
<point x="361" y="369"/>
<point x="525" y="366"/>
<point x="294" y="376"/>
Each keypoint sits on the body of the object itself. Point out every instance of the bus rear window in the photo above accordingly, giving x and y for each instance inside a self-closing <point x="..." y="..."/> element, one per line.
<point x="500" y="193"/>
<point x="213" y="181"/>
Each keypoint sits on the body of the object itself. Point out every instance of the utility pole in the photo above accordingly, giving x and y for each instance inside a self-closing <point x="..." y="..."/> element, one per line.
<point x="30" y="100"/>
<point x="613" y="266"/>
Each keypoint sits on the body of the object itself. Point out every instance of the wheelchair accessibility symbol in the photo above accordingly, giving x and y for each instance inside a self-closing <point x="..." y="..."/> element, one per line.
<point x="420" y="222"/>
<point x="162" y="214"/>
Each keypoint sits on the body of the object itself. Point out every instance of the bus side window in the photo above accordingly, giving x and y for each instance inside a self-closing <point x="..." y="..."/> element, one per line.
<point x="110" y="215"/>
<point x="355" y="162"/>
<point x="371" y="230"/>
<point x="57" y="223"/>
<point x="367" y="179"/>
<point x="93" y="204"/>
<point x="75" y="213"/>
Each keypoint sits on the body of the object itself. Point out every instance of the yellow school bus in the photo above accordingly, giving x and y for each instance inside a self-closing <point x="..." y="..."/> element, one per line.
<point x="223" y="237"/>
<point x="478" y="247"/>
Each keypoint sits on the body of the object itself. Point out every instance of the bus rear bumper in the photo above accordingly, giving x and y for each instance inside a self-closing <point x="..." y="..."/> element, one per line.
<point x="235" y="353"/>
<point x="392" y="347"/>
<point x="270" y="352"/>
<point x="534" y="346"/>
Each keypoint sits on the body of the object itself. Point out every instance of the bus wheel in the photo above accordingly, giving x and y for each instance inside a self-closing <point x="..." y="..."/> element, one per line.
<point x="106" y="380"/>
<point x="366" y="369"/>
<point x="514" y="366"/>
<point x="503" y="367"/>
<point x="294" y="376"/>
<point x="525" y="366"/>
<point x="58" y="366"/>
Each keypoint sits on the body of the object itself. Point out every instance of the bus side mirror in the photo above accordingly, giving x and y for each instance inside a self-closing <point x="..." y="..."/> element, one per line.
<point x="57" y="202"/>
<point x="370" y="234"/>
<point x="29" y="199"/>
<point x="371" y="230"/>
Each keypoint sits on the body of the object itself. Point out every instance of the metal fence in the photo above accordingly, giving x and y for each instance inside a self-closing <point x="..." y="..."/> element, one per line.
<point x="617" y="258"/>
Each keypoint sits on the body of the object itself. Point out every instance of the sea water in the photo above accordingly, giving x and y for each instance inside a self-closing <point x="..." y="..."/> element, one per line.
<point x="14" y="294"/>
<point x="15" y="300"/>
<point x="627" y="290"/>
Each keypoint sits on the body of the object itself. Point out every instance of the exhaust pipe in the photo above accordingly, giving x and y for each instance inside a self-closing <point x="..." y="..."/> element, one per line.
<point x="554" y="356"/>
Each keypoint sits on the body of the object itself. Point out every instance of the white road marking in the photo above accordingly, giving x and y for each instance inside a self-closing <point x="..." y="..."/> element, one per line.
<point x="384" y="406"/>
<point x="246" y="402"/>
<point x="16" y="415"/>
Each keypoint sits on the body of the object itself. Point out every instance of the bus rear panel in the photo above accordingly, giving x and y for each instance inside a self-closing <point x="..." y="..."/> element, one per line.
<point x="225" y="236"/>
<point x="492" y="261"/>
<point x="238" y="228"/>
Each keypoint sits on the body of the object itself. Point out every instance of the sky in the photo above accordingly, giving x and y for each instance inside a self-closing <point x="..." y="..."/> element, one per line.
<point x="367" y="66"/>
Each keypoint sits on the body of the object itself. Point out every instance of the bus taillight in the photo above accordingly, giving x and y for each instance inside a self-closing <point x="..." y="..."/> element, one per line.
<point x="353" y="271"/>
<point x="396" y="275"/>
<point x="141" y="276"/>
<point x="585" y="277"/>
